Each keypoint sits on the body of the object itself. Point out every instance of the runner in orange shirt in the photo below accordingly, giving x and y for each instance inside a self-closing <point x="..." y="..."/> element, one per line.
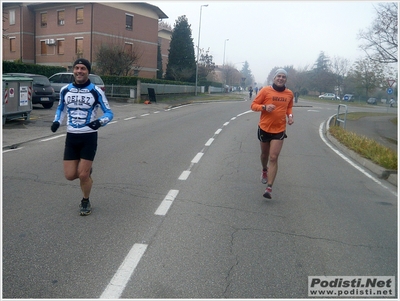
<point x="275" y="104"/>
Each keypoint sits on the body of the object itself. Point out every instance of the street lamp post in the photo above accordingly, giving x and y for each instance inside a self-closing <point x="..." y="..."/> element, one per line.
<point x="224" y="51"/>
<point x="223" y="65"/>
<point x="198" y="48"/>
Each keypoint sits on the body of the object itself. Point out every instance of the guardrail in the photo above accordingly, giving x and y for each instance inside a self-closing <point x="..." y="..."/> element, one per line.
<point x="339" y="120"/>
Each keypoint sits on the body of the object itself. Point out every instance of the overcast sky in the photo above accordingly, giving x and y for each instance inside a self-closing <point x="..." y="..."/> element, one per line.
<point x="270" y="34"/>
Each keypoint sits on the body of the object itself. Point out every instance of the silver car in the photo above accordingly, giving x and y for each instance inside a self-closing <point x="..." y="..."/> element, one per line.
<point x="59" y="80"/>
<point x="328" y="96"/>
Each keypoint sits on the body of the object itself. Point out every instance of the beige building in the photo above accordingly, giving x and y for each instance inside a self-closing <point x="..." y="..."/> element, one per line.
<point x="55" y="34"/>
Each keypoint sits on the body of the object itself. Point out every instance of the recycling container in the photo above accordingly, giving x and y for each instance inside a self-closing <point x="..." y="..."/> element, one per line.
<point x="17" y="97"/>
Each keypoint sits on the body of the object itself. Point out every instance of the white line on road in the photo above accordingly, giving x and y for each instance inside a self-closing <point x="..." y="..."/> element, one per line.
<point x="167" y="202"/>
<point x="197" y="158"/>
<point x="184" y="175"/>
<point x="208" y="143"/>
<point x="117" y="284"/>
<point x="218" y="131"/>
<point x="129" y="118"/>
<point x="11" y="150"/>
<point x="52" y="138"/>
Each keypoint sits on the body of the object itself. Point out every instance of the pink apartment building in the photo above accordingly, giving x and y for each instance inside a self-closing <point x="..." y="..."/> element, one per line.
<point x="57" y="33"/>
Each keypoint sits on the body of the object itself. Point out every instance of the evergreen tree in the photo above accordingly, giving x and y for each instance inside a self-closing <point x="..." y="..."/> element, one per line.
<point x="246" y="73"/>
<point x="181" y="59"/>
<point x="159" y="63"/>
<point x="322" y="78"/>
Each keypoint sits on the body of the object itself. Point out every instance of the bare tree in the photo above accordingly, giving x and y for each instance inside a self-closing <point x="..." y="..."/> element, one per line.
<point x="368" y="76"/>
<point x="381" y="44"/>
<point x="117" y="59"/>
<point x="5" y="17"/>
<point x="340" y="67"/>
<point x="232" y="76"/>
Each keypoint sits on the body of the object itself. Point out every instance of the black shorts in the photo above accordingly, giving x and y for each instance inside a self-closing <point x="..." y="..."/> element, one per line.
<point x="267" y="137"/>
<point x="80" y="146"/>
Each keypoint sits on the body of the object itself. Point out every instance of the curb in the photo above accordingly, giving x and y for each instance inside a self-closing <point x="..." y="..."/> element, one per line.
<point x="382" y="173"/>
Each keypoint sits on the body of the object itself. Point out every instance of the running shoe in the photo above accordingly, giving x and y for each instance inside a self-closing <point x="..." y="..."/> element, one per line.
<point x="85" y="208"/>
<point x="264" y="177"/>
<point x="267" y="193"/>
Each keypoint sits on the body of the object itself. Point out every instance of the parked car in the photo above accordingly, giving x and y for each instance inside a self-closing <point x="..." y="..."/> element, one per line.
<point x="62" y="79"/>
<point x="331" y="96"/>
<point x="348" y="97"/>
<point x="43" y="92"/>
<point x="372" y="101"/>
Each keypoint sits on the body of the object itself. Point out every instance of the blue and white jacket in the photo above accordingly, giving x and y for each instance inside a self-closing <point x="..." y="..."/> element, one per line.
<point x="80" y="104"/>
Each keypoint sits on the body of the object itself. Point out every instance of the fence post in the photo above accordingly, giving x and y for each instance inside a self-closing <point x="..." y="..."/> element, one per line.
<point x="139" y="90"/>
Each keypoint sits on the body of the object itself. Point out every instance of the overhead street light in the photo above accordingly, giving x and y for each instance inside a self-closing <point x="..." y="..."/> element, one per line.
<point x="224" y="51"/>
<point x="198" y="48"/>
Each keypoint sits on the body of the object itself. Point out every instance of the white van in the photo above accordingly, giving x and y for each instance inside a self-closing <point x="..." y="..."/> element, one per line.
<point x="59" y="80"/>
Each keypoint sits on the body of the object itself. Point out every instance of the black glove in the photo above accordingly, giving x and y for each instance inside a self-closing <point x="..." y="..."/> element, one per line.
<point x="94" y="124"/>
<point x="55" y="126"/>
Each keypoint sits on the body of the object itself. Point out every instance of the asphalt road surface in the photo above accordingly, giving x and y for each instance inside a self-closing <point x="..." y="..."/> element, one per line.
<point x="178" y="211"/>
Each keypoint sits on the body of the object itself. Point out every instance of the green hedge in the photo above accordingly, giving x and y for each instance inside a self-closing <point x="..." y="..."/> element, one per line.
<point x="48" y="71"/>
<point x="17" y="67"/>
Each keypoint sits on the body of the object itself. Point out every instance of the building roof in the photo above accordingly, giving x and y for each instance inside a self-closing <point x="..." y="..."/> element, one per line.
<point x="156" y="9"/>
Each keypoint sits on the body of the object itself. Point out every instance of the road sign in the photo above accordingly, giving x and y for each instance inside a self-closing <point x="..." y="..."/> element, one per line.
<point x="391" y="82"/>
<point x="389" y="91"/>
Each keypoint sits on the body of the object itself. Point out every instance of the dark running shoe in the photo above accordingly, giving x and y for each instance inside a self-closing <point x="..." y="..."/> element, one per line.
<point x="268" y="193"/>
<point x="85" y="208"/>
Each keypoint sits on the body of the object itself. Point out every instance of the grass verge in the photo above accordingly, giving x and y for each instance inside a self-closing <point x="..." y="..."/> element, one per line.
<point x="365" y="147"/>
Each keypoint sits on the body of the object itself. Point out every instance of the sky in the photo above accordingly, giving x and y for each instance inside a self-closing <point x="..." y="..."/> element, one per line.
<point x="270" y="34"/>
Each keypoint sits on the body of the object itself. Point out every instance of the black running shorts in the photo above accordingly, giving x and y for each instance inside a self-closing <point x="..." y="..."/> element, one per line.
<point x="267" y="137"/>
<point x="80" y="146"/>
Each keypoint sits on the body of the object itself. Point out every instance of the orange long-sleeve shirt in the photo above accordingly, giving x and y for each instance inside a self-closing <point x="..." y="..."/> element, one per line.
<point x="275" y="121"/>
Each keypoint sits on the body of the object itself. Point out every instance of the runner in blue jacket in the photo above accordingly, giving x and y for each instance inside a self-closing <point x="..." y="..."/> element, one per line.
<point x="79" y="104"/>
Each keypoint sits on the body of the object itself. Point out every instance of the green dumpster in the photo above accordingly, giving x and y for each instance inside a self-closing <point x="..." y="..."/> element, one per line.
<point x="17" y="98"/>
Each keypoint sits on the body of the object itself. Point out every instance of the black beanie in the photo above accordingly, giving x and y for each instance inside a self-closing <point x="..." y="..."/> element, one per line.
<point x="83" y="62"/>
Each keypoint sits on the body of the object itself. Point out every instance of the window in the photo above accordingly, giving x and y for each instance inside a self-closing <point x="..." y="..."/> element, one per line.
<point x="43" y="48"/>
<point x="13" y="44"/>
<point x="128" y="48"/>
<point x="12" y="16"/>
<point x="79" y="46"/>
<point x="79" y="15"/>
<point x="129" y="22"/>
<point x="60" y="17"/>
<point x="60" y="46"/>
<point x="43" y="19"/>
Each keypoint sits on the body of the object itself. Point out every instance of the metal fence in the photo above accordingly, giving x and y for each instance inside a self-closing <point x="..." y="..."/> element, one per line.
<point x="159" y="89"/>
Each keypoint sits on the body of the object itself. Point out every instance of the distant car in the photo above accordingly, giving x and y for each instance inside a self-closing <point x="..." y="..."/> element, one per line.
<point x="372" y="101"/>
<point x="330" y="96"/>
<point x="62" y="79"/>
<point x="348" y="97"/>
<point x="43" y="92"/>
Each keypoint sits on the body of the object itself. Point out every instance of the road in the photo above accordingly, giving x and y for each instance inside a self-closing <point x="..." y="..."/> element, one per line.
<point x="178" y="211"/>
